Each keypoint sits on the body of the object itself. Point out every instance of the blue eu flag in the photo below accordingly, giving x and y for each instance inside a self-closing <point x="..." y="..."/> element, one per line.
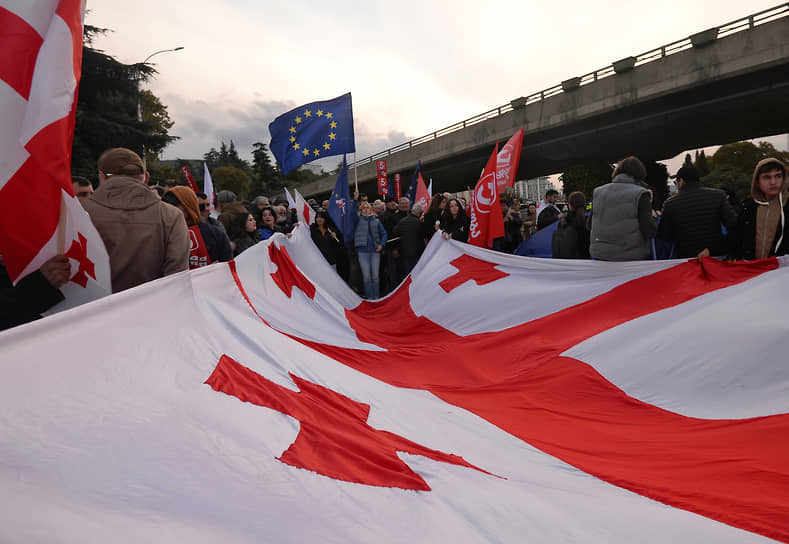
<point x="313" y="131"/>
<point x="411" y="192"/>
<point x="342" y="209"/>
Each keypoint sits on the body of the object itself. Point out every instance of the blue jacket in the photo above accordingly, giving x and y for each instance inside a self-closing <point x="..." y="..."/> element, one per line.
<point x="369" y="234"/>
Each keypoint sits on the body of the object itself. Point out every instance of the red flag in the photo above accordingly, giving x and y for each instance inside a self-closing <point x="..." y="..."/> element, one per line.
<point x="487" y="223"/>
<point x="40" y="67"/>
<point x="383" y="184"/>
<point x="422" y="196"/>
<point x="397" y="187"/>
<point x="189" y="178"/>
<point x="507" y="161"/>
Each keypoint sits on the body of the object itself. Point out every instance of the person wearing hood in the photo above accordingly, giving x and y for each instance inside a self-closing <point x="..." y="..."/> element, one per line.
<point x="145" y="238"/>
<point x="762" y="229"/>
<point x="208" y="244"/>
<point x="621" y="221"/>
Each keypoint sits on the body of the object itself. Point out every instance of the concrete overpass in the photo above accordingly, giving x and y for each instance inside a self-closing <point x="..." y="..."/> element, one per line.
<point x="721" y="85"/>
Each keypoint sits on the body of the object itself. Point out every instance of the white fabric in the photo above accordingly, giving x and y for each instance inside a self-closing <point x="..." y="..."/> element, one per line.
<point x="109" y="434"/>
<point x="301" y="205"/>
<point x="208" y="188"/>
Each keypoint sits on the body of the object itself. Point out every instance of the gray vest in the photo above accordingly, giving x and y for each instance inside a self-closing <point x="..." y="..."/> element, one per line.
<point x="616" y="235"/>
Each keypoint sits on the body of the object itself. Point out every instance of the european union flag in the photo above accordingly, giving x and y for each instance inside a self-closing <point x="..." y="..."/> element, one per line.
<point x="313" y="131"/>
<point x="342" y="208"/>
<point x="411" y="192"/>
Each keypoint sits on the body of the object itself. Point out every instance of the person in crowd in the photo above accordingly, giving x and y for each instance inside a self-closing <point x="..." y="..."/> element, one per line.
<point x="83" y="188"/>
<point x="34" y="294"/>
<point x="369" y="240"/>
<point x="326" y="238"/>
<point x="209" y="244"/>
<point x="571" y="237"/>
<point x="463" y="203"/>
<point x="412" y="242"/>
<point x="512" y="229"/>
<point x="361" y="198"/>
<point x="431" y="222"/>
<point x="621" y="222"/>
<point x="260" y="203"/>
<point x="325" y="204"/>
<point x="762" y="229"/>
<point x="205" y="212"/>
<point x="529" y="221"/>
<point x="230" y="211"/>
<point x="145" y="237"/>
<point x="454" y="221"/>
<point x="243" y="233"/>
<point x="391" y="219"/>
<point x="390" y="203"/>
<point x="284" y="219"/>
<point x="551" y="195"/>
<point x="692" y="218"/>
<point x="378" y="208"/>
<point x="268" y="223"/>
<point x="223" y="198"/>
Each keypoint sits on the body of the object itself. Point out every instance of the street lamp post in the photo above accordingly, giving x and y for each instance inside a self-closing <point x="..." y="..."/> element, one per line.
<point x="139" y="108"/>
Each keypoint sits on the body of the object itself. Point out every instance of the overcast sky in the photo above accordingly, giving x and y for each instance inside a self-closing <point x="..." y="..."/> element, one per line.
<point x="412" y="66"/>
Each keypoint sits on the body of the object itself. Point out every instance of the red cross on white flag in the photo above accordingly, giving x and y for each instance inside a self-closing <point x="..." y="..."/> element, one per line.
<point x="40" y="65"/>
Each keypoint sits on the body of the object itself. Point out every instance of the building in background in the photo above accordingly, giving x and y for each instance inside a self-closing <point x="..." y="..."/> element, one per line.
<point x="533" y="190"/>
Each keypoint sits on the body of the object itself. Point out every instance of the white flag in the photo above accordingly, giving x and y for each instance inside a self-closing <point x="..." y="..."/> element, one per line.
<point x="304" y="211"/>
<point x="208" y="188"/>
<point x="624" y="402"/>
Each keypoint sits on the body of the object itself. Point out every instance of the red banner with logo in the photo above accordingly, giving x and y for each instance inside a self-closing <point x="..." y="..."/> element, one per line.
<point x="507" y="162"/>
<point x="189" y="179"/>
<point x="397" y="188"/>
<point x="383" y="181"/>
<point x="487" y="223"/>
<point x="198" y="253"/>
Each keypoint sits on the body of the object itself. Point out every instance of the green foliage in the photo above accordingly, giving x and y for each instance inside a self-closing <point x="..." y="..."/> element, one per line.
<point x="733" y="165"/>
<point x="585" y="177"/>
<point x="106" y="113"/>
<point x="701" y="163"/>
<point x="231" y="178"/>
<point x="161" y="173"/>
<point x="265" y="176"/>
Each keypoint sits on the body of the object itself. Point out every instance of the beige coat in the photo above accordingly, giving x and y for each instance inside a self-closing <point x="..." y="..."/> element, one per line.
<point x="145" y="237"/>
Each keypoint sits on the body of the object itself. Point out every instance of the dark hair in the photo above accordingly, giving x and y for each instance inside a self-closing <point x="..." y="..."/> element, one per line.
<point x="201" y="195"/>
<point x="577" y="202"/>
<point x="238" y="227"/>
<point x="435" y="204"/>
<point x="550" y="192"/>
<point x="446" y="215"/>
<point x="768" y="165"/>
<point x="632" y="166"/>
<point x="81" y="181"/>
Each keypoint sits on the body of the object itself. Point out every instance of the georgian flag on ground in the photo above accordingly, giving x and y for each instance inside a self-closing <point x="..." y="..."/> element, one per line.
<point x="40" y="60"/>
<point x="491" y="398"/>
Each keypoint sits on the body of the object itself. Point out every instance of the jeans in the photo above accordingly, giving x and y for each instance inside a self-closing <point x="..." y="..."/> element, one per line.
<point x="370" y="264"/>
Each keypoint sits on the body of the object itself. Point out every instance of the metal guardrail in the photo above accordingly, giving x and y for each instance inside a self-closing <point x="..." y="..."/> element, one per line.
<point x="701" y="38"/>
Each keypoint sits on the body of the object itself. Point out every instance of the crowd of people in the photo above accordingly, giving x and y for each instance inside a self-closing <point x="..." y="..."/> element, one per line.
<point x="151" y="232"/>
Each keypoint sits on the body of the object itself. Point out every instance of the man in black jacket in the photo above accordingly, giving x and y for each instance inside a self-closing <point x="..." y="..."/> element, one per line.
<point x="693" y="217"/>
<point x="412" y="243"/>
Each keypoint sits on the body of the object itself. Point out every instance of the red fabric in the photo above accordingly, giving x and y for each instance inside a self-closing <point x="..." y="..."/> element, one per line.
<point x="35" y="189"/>
<point x="487" y="223"/>
<point x="469" y="268"/>
<point x="198" y="253"/>
<point x="20" y="44"/>
<point x="334" y="438"/>
<point x="79" y="252"/>
<point x="422" y="196"/>
<point x="397" y="187"/>
<point x="722" y="469"/>
<point x="189" y="178"/>
<point x="507" y="162"/>
<point x="288" y="274"/>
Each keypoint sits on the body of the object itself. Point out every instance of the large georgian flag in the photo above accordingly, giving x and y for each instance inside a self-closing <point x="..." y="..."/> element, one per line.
<point x="40" y="62"/>
<point x="491" y="398"/>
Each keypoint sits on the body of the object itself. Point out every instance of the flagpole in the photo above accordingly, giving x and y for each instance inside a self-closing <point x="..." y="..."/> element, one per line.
<point x="355" y="176"/>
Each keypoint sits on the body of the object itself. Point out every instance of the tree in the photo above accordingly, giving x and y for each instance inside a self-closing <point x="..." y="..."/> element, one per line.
<point x="701" y="164"/>
<point x="232" y="179"/>
<point x="157" y="120"/>
<point x="733" y="164"/>
<point x="265" y="177"/>
<point x="688" y="160"/>
<point x="106" y="113"/>
<point x="585" y="177"/>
